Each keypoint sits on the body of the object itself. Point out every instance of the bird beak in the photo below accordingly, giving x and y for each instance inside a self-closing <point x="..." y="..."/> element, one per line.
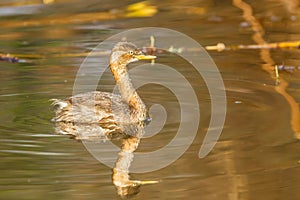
<point x="145" y="57"/>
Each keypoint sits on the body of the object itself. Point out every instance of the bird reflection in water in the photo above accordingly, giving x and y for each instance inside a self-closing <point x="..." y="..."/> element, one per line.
<point x="99" y="115"/>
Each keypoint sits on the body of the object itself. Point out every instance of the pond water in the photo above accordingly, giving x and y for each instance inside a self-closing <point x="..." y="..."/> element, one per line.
<point x="257" y="155"/>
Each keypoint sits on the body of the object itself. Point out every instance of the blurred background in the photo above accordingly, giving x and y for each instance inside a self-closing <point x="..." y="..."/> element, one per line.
<point x="257" y="156"/>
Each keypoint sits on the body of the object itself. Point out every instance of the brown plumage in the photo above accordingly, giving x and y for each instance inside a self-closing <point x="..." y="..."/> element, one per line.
<point x="106" y="113"/>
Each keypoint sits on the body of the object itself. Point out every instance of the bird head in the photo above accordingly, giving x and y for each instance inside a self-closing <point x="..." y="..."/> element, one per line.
<point x="126" y="52"/>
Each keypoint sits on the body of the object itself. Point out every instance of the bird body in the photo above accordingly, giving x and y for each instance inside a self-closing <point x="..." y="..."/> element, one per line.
<point x="110" y="113"/>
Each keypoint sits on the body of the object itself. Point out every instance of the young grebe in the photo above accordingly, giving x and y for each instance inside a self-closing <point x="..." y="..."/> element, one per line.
<point x="111" y="113"/>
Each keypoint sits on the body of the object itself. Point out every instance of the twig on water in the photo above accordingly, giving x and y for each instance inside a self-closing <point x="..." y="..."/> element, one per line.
<point x="11" y="58"/>
<point x="277" y="45"/>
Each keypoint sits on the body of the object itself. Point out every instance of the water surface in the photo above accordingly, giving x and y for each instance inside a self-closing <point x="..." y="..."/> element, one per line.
<point x="257" y="155"/>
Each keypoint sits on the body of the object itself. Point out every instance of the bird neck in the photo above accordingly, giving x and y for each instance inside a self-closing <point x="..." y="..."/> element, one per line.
<point x="128" y="92"/>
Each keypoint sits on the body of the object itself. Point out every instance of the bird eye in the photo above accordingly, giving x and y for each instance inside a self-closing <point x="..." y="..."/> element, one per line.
<point x="131" y="52"/>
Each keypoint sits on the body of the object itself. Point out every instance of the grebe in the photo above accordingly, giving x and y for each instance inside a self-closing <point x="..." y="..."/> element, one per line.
<point x="110" y="113"/>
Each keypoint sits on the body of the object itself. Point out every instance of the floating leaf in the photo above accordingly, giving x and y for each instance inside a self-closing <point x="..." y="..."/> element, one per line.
<point x="141" y="9"/>
<point x="48" y="1"/>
